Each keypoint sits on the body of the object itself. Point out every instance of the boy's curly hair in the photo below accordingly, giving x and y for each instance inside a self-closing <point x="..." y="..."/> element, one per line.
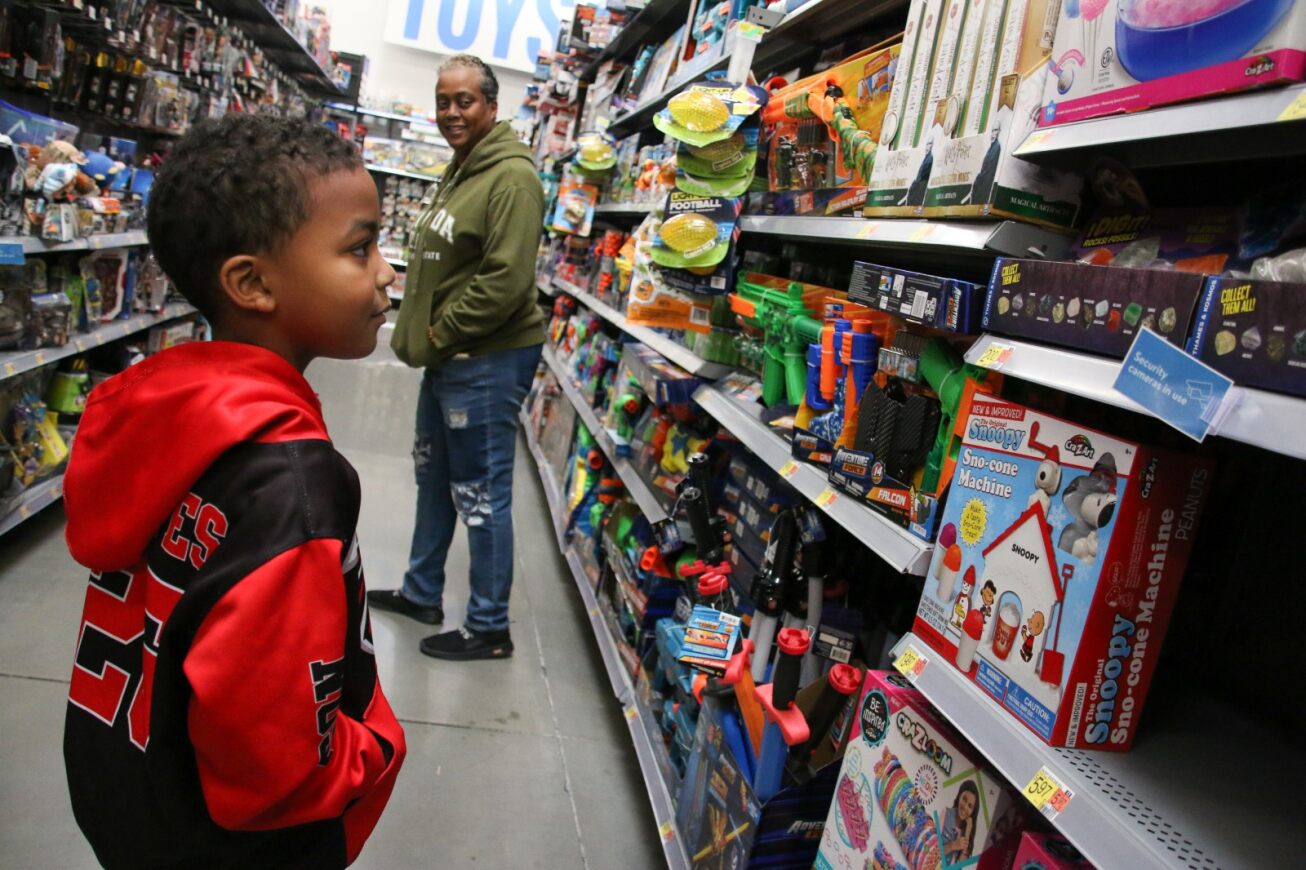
<point x="237" y="185"/>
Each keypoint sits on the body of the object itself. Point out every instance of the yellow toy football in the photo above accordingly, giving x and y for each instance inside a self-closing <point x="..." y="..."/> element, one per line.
<point x="697" y="111"/>
<point x="688" y="232"/>
<point x="718" y="150"/>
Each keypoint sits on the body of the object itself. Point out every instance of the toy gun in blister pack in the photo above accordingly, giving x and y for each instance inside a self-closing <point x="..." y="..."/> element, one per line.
<point x="628" y="406"/>
<point x="820" y="99"/>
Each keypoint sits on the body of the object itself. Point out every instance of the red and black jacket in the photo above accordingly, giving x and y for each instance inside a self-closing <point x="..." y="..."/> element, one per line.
<point x="224" y="709"/>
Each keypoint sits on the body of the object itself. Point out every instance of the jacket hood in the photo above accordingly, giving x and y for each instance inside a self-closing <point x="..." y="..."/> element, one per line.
<point x="499" y="144"/>
<point x="149" y="433"/>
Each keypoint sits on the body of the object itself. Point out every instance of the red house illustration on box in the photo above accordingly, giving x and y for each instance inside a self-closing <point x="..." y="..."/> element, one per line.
<point x="1021" y="564"/>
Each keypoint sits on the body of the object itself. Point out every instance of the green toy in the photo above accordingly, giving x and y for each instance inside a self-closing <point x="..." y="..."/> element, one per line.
<point x="789" y="327"/>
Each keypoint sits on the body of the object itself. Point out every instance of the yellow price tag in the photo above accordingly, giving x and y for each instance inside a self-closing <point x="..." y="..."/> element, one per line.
<point x="871" y="228"/>
<point x="667" y="831"/>
<point x="789" y="469"/>
<point x="827" y="498"/>
<point x="1040" y="788"/>
<point x="911" y="663"/>
<point x="1296" y="109"/>
<point x="594" y="611"/>
<point x="924" y="231"/>
<point x="995" y="356"/>
<point x="1048" y="794"/>
<point x="631" y="713"/>
<point x="39" y="357"/>
<point x="11" y="369"/>
<point x="751" y="32"/>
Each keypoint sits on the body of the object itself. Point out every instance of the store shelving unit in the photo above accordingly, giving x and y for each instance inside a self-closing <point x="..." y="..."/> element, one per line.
<point x="100" y="242"/>
<point x="895" y="545"/>
<point x="32" y="501"/>
<point x="268" y="31"/>
<point x="642" y="115"/>
<point x="817" y="23"/>
<point x="633" y="210"/>
<point x="386" y="170"/>
<point x="633" y="710"/>
<point x="678" y="354"/>
<point x="1149" y="807"/>
<point x="1266" y="123"/>
<point x="397" y="262"/>
<point x="972" y="238"/>
<point x="639" y="490"/>
<point x="657" y="19"/>
<point x="1264" y="419"/>
<point x="17" y="362"/>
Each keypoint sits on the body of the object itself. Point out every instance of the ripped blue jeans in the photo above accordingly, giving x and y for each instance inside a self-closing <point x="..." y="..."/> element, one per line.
<point x="463" y="453"/>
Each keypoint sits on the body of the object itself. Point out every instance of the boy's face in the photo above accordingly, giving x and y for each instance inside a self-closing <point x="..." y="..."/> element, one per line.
<point x="461" y="111"/>
<point x="329" y="279"/>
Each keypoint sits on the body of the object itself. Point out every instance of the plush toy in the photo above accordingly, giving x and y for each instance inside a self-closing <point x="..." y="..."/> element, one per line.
<point x="52" y="171"/>
<point x="1091" y="500"/>
<point x="102" y="168"/>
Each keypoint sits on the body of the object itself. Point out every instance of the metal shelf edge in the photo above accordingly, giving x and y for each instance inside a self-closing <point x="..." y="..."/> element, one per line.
<point x="373" y="167"/>
<point x="673" y="352"/>
<point x="1263" y="419"/>
<point x="32" y="501"/>
<point x="904" y="552"/>
<point x="639" y="490"/>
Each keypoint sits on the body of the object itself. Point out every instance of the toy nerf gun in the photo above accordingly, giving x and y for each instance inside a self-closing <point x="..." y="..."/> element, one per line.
<point x="849" y="353"/>
<point x="789" y="326"/>
<point x="956" y="384"/>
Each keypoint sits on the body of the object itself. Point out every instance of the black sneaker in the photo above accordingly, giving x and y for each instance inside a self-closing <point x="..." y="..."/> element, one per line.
<point x="465" y="644"/>
<point x="393" y="601"/>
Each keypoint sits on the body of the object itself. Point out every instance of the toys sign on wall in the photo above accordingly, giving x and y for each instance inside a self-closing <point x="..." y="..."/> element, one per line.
<point x="506" y="33"/>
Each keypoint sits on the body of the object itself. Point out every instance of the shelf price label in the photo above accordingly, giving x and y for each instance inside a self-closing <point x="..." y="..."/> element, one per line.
<point x="667" y="831"/>
<point x="630" y="713"/>
<point x="911" y="664"/>
<point x="1048" y="794"/>
<point x="827" y="498"/>
<point x="995" y="356"/>
<point x="789" y="469"/>
<point x="1296" y="109"/>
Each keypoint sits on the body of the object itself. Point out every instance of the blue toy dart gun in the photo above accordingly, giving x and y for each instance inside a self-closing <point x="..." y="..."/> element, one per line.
<point x="785" y="726"/>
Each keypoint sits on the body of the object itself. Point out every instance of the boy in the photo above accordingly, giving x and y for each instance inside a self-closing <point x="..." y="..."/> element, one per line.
<point x="224" y="709"/>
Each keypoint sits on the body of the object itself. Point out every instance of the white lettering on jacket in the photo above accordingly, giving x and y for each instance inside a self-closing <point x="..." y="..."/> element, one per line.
<point x="442" y="225"/>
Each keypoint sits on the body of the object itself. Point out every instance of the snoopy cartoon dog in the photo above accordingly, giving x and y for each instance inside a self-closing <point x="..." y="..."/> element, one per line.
<point x="1091" y="500"/>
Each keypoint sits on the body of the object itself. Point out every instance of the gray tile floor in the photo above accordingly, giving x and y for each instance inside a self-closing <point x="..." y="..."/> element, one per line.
<point x="524" y="763"/>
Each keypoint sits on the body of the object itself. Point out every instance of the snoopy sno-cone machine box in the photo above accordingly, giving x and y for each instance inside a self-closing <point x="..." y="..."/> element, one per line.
<point x="1068" y="546"/>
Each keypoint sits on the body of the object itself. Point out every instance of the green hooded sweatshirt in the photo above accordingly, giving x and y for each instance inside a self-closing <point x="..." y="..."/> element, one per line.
<point x="471" y="266"/>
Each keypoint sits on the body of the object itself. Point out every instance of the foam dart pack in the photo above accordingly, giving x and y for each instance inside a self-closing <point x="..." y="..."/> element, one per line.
<point x="843" y="682"/>
<point x="709" y="111"/>
<point x="697" y="231"/>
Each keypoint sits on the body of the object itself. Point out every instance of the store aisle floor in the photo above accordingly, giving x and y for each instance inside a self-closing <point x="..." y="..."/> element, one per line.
<point x="523" y="763"/>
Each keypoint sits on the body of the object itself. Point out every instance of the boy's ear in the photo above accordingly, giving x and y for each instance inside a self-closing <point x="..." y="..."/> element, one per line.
<point x="240" y="279"/>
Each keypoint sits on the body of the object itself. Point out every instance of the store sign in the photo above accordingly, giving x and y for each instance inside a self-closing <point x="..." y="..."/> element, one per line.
<point x="503" y="33"/>
<point x="1179" y="389"/>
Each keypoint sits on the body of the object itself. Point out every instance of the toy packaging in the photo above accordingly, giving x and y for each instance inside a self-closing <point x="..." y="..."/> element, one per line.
<point x="1116" y="56"/>
<point x="976" y="82"/>
<point x="1099" y="309"/>
<point x="575" y="209"/>
<point x="825" y="138"/>
<point x="942" y="303"/>
<point x="709" y="111"/>
<point x="697" y="231"/>
<point x="913" y="794"/>
<point x="1254" y="332"/>
<point x="1042" y="851"/>
<point x="1059" y="559"/>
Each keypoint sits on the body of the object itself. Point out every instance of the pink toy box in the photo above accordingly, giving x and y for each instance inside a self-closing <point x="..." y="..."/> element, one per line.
<point x="1115" y="56"/>
<point x="1060" y="555"/>
<point x="912" y="794"/>
<point x="1042" y="851"/>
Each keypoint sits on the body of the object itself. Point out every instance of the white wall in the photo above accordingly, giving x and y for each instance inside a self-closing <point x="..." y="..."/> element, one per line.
<point x="394" y="71"/>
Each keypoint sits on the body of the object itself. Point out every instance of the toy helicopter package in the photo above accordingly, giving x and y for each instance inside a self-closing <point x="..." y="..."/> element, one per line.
<point x="1058" y="563"/>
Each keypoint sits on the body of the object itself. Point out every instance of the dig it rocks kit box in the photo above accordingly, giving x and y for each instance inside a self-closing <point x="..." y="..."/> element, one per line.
<point x="1059" y="559"/>
<point x="911" y="793"/>
<point x="1099" y="309"/>
<point x="1254" y="332"/>
<point x="1126" y="55"/>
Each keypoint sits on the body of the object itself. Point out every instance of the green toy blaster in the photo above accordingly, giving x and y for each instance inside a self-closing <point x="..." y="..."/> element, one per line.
<point x="789" y="327"/>
<point x="955" y="383"/>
